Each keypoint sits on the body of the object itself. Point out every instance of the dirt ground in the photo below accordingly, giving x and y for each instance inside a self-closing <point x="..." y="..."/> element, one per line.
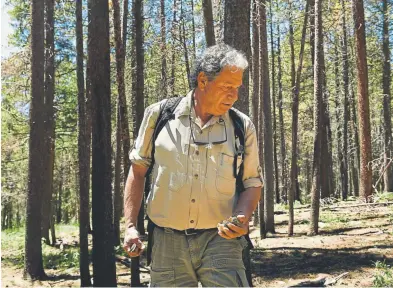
<point x="351" y="240"/>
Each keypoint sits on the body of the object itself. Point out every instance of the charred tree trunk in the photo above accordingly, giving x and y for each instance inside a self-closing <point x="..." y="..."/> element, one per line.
<point x="208" y="22"/>
<point x="33" y="266"/>
<point x="365" y="189"/>
<point x="104" y="269"/>
<point x="83" y="155"/>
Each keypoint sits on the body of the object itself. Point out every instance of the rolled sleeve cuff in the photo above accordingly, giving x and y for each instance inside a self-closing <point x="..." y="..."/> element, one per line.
<point x="252" y="182"/>
<point x="138" y="160"/>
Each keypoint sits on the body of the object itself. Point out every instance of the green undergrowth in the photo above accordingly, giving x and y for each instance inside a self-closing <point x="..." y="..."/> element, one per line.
<point x="13" y="246"/>
<point x="384" y="275"/>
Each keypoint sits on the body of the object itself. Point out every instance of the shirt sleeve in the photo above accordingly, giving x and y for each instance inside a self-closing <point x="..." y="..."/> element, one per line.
<point x="252" y="173"/>
<point x="141" y="152"/>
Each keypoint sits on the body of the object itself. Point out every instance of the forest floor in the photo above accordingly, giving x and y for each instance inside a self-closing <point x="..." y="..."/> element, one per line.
<point x="357" y="241"/>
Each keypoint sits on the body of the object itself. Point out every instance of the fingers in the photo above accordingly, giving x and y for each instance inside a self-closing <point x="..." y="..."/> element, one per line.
<point x="231" y="231"/>
<point x="134" y="247"/>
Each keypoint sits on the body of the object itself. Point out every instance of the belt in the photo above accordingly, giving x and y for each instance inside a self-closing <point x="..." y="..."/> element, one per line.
<point x="189" y="232"/>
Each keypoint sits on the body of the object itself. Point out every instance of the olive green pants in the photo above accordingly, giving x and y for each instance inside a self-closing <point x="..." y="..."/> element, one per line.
<point x="180" y="260"/>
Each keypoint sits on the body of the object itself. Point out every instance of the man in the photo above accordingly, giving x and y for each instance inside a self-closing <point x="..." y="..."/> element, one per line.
<point x="193" y="182"/>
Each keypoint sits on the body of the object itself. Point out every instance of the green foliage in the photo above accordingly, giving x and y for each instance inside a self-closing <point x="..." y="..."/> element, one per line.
<point x="384" y="276"/>
<point x="329" y="217"/>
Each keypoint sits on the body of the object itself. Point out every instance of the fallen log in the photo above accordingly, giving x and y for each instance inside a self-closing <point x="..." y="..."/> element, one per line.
<point x="323" y="281"/>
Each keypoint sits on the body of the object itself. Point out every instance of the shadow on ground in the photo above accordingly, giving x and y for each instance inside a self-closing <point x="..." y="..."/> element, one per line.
<point x="289" y="261"/>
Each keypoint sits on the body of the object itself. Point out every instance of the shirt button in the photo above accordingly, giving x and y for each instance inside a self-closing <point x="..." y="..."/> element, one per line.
<point x="192" y="221"/>
<point x="193" y="200"/>
<point x="197" y="152"/>
<point x="196" y="176"/>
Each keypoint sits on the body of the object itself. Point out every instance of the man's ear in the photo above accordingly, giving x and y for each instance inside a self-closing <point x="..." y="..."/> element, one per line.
<point x="202" y="80"/>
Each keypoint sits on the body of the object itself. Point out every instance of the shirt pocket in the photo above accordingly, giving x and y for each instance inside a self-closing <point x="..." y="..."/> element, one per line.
<point x="177" y="179"/>
<point x="225" y="179"/>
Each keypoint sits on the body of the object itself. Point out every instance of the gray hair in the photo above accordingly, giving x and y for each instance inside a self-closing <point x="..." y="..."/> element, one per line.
<point x="214" y="59"/>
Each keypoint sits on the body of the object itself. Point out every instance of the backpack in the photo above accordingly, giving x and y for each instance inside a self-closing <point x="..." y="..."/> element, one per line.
<point x="166" y="114"/>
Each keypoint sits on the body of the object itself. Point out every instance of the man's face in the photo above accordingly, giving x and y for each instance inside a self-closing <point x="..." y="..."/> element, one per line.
<point x="222" y="92"/>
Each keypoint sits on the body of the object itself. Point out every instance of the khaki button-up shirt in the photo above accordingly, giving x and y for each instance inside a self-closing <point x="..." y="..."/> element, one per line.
<point x="193" y="186"/>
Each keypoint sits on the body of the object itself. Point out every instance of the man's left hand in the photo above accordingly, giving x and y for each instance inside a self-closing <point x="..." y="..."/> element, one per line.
<point x="230" y="231"/>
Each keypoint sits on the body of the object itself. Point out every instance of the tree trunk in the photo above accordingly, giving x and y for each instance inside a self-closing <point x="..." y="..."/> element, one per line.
<point x="122" y="107"/>
<point x="276" y="178"/>
<point x="49" y="126"/>
<point x="267" y="122"/>
<point x="59" y="197"/>
<point x="173" y="51"/>
<point x="183" y="40"/>
<point x="193" y="29"/>
<point x="137" y="91"/>
<point x="281" y="121"/>
<point x="237" y="35"/>
<point x="340" y="124"/>
<point x="255" y="80"/>
<point x="318" y="98"/>
<point x="387" y="116"/>
<point x="33" y="268"/>
<point x="163" y="89"/>
<point x="104" y="269"/>
<point x="117" y="199"/>
<point x="363" y="102"/>
<point x="218" y="17"/>
<point x="83" y="155"/>
<point x="345" y="62"/>
<point x="208" y="22"/>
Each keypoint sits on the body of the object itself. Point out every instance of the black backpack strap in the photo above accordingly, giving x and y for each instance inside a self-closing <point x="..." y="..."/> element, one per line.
<point x="166" y="114"/>
<point x="239" y="147"/>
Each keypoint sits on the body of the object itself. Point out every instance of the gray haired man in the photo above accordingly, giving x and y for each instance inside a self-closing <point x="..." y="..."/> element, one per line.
<point x="193" y="182"/>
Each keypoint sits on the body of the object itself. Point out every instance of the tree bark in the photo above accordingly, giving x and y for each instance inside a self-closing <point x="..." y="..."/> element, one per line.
<point x="318" y="98"/>
<point x="193" y="29"/>
<point x="163" y="88"/>
<point x="266" y="122"/>
<point x="104" y="269"/>
<point x="340" y="125"/>
<point x="237" y="35"/>
<point x="365" y="189"/>
<point x="33" y="266"/>
<point x="344" y="52"/>
<point x="83" y="155"/>
<point x="49" y="139"/>
<point x="183" y="40"/>
<point x="387" y="116"/>
<point x="276" y="178"/>
<point x="173" y="53"/>
<point x="281" y="121"/>
<point x="138" y="108"/>
<point x="208" y="22"/>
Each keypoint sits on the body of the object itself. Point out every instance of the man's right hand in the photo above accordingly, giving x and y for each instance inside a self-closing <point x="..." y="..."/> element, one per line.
<point x="132" y="244"/>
